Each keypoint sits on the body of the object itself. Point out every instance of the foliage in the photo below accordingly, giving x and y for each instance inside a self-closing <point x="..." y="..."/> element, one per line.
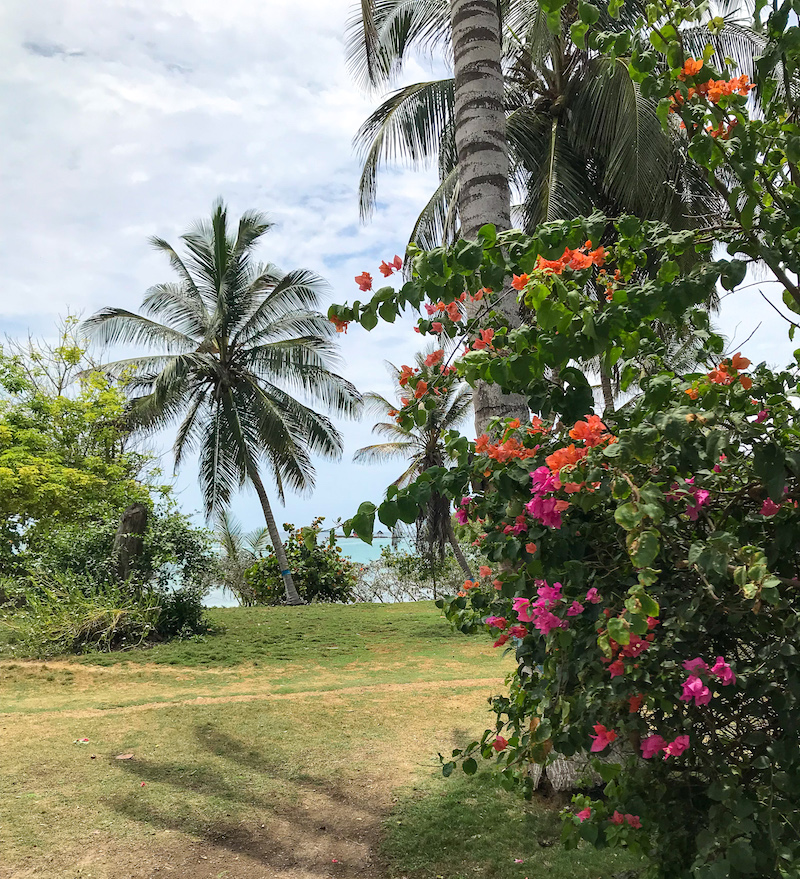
<point x="63" y="452"/>
<point x="175" y="553"/>
<point x="321" y="572"/>
<point x="644" y="568"/>
<point x="237" y="553"/>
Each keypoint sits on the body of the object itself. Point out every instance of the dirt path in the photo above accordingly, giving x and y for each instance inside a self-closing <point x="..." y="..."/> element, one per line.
<point x="322" y="823"/>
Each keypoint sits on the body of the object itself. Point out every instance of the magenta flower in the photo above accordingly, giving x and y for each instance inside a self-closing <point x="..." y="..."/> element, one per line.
<point x="676" y="748"/>
<point x="695" y="666"/>
<point x="462" y="517"/>
<point x="634" y="821"/>
<point x="603" y="738"/>
<point x="584" y="814"/>
<point x="545" y="622"/>
<point x="593" y="596"/>
<point x="723" y="671"/>
<point x="522" y="609"/>
<point x="518" y="631"/>
<point x="652" y="745"/>
<point x="544" y="481"/>
<point x="497" y="622"/>
<point x="545" y="510"/>
<point x="769" y="507"/>
<point x="617" y="818"/>
<point x="574" y="609"/>
<point x="694" y="688"/>
<point x="616" y="668"/>
<point x="699" y="499"/>
<point x="549" y="594"/>
<point x="762" y="416"/>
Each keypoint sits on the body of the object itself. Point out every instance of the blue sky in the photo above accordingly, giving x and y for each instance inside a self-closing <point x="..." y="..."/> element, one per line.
<point x="123" y="119"/>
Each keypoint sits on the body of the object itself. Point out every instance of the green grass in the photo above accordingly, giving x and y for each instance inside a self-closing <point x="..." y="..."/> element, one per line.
<point x="276" y="747"/>
<point x="471" y="828"/>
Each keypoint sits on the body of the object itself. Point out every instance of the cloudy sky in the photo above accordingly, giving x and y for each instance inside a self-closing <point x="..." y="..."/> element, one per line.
<point x="123" y="119"/>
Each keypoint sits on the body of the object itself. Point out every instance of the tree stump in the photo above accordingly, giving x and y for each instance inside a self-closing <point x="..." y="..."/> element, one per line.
<point x="129" y="541"/>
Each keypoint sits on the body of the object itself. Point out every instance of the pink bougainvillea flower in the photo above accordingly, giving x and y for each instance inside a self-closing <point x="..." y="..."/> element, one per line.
<point x="518" y="631"/>
<point x="501" y="640"/>
<point x="500" y="744"/>
<point x="676" y="748"/>
<point x="652" y="622"/>
<point x="584" y="814"/>
<point x="699" y="499"/>
<point x="617" y="818"/>
<point x="545" y="622"/>
<point x="544" y="481"/>
<point x="497" y="622"/>
<point x="603" y="738"/>
<point x="574" y="609"/>
<point x="695" y="666"/>
<point x="769" y="507"/>
<point x="652" y="745"/>
<point x="550" y="594"/>
<point x="634" y="821"/>
<point x="723" y="671"/>
<point x="762" y="416"/>
<point x="694" y="688"/>
<point x="616" y="668"/>
<point x="522" y="609"/>
<point x="593" y="596"/>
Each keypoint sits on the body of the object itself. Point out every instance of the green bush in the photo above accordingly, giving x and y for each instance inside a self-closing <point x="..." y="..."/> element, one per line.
<point x="319" y="570"/>
<point x="49" y="616"/>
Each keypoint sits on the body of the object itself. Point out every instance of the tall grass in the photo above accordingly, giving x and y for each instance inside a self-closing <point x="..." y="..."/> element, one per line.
<point x="73" y="615"/>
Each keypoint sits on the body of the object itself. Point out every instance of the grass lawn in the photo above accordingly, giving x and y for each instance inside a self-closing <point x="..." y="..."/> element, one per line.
<point x="297" y="743"/>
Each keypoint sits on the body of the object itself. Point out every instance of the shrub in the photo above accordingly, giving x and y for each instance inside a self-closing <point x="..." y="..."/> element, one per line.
<point x="49" y="616"/>
<point x="319" y="570"/>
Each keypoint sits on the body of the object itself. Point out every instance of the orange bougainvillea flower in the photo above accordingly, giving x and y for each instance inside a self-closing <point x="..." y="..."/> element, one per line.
<point x="481" y="444"/>
<point x="433" y="359"/>
<point x="530" y="547"/>
<point x="567" y="457"/>
<point x="421" y="389"/>
<point x="405" y="374"/>
<point x="453" y="311"/>
<point x="364" y="281"/>
<point x="484" y="291"/>
<point x="386" y="268"/>
<point x="693" y="393"/>
<point x="746" y="382"/>
<point x="720" y="376"/>
<point x="437" y="326"/>
<point x="514" y="423"/>
<point x="691" y="68"/>
<point x="592" y="431"/>
<point x="739" y="362"/>
<point x="518" y="282"/>
<point x="484" y="340"/>
<point x="341" y="325"/>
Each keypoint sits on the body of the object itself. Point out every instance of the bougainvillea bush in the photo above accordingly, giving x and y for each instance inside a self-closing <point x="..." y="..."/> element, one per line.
<point x="643" y="563"/>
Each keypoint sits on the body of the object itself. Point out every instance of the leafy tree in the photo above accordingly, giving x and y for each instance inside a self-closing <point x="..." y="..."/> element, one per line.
<point x="232" y="343"/>
<point x="422" y="446"/>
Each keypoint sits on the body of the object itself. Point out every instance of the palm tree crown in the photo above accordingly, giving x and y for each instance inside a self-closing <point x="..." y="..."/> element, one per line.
<point x="580" y="133"/>
<point x="231" y="344"/>
<point x="422" y="447"/>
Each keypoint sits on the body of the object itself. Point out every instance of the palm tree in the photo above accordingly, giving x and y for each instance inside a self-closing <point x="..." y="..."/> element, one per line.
<point x="580" y="134"/>
<point x="239" y="552"/>
<point x="421" y="447"/>
<point x="232" y="342"/>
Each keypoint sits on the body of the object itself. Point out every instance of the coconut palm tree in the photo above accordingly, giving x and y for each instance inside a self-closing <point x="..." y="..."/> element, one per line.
<point x="232" y="344"/>
<point x="421" y="447"/>
<point x="580" y="134"/>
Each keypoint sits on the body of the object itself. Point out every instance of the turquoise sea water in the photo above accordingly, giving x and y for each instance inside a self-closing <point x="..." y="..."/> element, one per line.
<point x="355" y="549"/>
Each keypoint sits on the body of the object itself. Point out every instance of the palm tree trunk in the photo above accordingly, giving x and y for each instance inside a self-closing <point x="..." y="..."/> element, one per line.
<point x="292" y="596"/>
<point x="608" y="393"/>
<point x="457" y="552"/>
<point x="480" y="133"/>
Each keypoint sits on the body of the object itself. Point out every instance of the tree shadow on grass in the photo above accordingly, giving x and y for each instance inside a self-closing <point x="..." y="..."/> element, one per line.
<point x="259" y="808"/>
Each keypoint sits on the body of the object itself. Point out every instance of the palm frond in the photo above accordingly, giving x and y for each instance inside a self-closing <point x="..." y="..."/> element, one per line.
<point x="406" y="126"/>
<point x="113" y="326"/>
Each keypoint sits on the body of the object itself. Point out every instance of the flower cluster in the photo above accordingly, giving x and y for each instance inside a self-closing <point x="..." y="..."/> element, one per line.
<point x="694" y="687"/>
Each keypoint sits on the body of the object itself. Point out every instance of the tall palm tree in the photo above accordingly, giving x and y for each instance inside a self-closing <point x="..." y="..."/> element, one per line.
<point x="421" y="447"/>
<point x="232" y="342"/>
<point x="580" y="134"/>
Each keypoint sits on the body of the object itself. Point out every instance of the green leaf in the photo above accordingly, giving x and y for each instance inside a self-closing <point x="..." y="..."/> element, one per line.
<point x="619" y="630"/>
<point x="732" y="273"/>
<point x="644" y="548"/>
<point x="628" y="516"/>
<point x="369" y="319"/>
<point x="768" y="465"/>
<point x="470" y="766"/>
